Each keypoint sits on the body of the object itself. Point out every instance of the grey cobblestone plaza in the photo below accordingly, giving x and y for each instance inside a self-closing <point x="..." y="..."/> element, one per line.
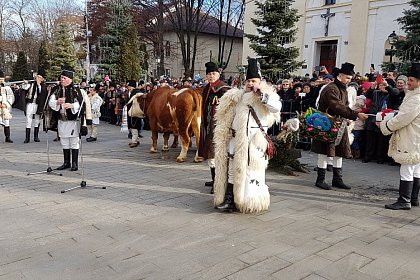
<point x="155" y="219"/>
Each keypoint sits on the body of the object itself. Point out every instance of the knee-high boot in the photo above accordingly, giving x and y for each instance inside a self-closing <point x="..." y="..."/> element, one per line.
<point x="74" y="159"/>
<point x="27" y="136"/>
<point x="320" y="179"/>
<point x="66" y="164"/>
<point x="228" y="204"/>
<point x="337" y="180"/>
<point x="213" y="172"/>
<point x="7" y="134"/>
<point x="415" y="192"/>
<point x="403" y="202"/>
<point x="36" y="134"/>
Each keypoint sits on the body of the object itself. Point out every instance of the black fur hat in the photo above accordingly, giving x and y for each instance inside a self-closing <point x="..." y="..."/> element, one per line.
<point x="415" y="70"/>
<point x="211" y="67"/>
<point x="41" y="72"/>
<point x="131" y="83"/>
<point x="347" y="68"/>
<point x="253" y="70"/>
<point x="67" y="71"/>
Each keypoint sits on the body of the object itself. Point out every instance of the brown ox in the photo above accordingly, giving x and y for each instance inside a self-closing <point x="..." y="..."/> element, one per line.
<point x="174" y="111"/>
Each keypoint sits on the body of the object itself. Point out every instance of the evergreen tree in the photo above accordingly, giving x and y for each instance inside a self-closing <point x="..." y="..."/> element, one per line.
<point x="275" y="24"/>
<point x="409" y="49"/>
<point x="110" y="43"/>
<point x="63" y="53"/>
<point x="43" y="59"/>
<point x="20" y="69"/>
<point x="128" y="67"/>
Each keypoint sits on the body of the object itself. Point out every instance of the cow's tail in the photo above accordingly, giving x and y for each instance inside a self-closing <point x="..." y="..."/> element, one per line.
<point x="197" y="102"/>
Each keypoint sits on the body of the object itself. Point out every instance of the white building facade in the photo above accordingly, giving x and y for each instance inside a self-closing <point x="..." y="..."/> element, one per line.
<point x="332" y="32"/>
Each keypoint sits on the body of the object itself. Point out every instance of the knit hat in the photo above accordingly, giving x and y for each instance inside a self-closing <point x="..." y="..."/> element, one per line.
<point x="402" y="78"/>
<point x="354" y="84"/>
<point x="253" y="70"/>
<point x="211" y="67"/>
<point x="329" y="76"/>
<point x="366" y="85"/>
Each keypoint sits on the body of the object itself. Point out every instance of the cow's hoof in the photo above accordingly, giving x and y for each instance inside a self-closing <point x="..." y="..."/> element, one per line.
<point x="180" y="159"/>
<point x="153" y="150"/>
<point x="165" y="149"/>
<point x="198" y="159"/>
<point x="174" y="146"/>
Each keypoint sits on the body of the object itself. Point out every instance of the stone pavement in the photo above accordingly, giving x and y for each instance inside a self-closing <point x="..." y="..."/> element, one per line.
<point x="155" y="220"/>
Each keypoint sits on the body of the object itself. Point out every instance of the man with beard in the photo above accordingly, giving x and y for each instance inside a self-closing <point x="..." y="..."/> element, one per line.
<point x="334" y="101"/>
<point x="243" y="117"/>
<point x="36" y="96"/>
<point x="66" y="101"/>
<point x="212" y="92"/>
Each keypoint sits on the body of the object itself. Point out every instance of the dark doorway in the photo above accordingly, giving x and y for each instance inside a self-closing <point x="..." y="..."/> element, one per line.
<point x="328" y="54"/>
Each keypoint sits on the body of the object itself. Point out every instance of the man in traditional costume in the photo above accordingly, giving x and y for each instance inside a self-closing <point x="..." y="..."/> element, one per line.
<point x="212" y="92"/>
<point x="134" y="123"/>
<point x="6" y="101"/>
<point x="66" y="101"/>
<point x="96" y="103"/>
<point x="334" y="101"/>
<point x="404" y="144"/>
<point x="240" y="144"/>
<point x="36" y="96"/>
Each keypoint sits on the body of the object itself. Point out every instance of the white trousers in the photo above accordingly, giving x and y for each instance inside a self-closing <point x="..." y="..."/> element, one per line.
<point x="323" y="160"/>
<point x="409" y="171"/>
<point x="6" y="123"/>
<point x="69" y="142"/>
<point x="134" y="135"/>
<point x="211" y="162"/>
<point x="92" y="130"/>
<point x="30" y="118"/>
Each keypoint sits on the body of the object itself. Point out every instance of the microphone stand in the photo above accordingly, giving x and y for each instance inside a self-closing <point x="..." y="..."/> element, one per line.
<point x="83" y="182"/>
<point x="49" y="169"/>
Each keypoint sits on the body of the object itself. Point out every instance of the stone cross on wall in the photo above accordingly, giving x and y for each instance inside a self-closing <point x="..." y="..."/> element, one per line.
<point x="327" y="17"/>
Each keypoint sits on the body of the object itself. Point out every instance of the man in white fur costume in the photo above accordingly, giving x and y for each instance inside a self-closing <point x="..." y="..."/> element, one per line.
<point x="240" y="145"/>
<point x="404" y="144"/>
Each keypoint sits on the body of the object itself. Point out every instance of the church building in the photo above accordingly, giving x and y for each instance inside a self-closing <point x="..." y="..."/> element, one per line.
<point x="331" y="32"/>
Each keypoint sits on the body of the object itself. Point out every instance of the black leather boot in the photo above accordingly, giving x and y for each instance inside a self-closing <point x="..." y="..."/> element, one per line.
<point x="213" y="173"/>
<point x="320" y="179"/>
<point x="66" y="164"/>
<point x="7" y="134"/>
<point x="74" y="159"/>
<point x="415" y="192"/>
<point x="337" y="181"/>
<point x="403" y="202"/>
<point x="36" y="134"/>
<point x="27" y="136"/>
<point x="228" y="204"/>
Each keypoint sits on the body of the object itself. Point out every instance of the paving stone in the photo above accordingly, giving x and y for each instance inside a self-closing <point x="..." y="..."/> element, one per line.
<point x="156" y="220"/>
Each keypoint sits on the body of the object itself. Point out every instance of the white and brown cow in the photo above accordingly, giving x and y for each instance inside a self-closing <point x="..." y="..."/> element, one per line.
<point x="174" y="111"/>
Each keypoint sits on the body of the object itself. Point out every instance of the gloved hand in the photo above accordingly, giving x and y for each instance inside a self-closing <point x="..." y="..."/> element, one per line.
<point x="83" y="131"/>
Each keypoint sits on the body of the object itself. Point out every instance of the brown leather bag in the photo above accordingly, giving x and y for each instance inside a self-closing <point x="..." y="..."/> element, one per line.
<point x="271" y="148"/>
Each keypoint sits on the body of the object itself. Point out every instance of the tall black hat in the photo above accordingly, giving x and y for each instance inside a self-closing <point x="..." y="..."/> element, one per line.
<point x="41" y="72"/>
<point x="67" y="71"/>
<point x="415" y="70"/>
<point x="373" y="66"/>
<point x="347" y="68"/>
<point x="254" y="70"/>
<point x="211" y="67"/>
<point x="131" y="83"/>
<point x="97" y="87"/>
